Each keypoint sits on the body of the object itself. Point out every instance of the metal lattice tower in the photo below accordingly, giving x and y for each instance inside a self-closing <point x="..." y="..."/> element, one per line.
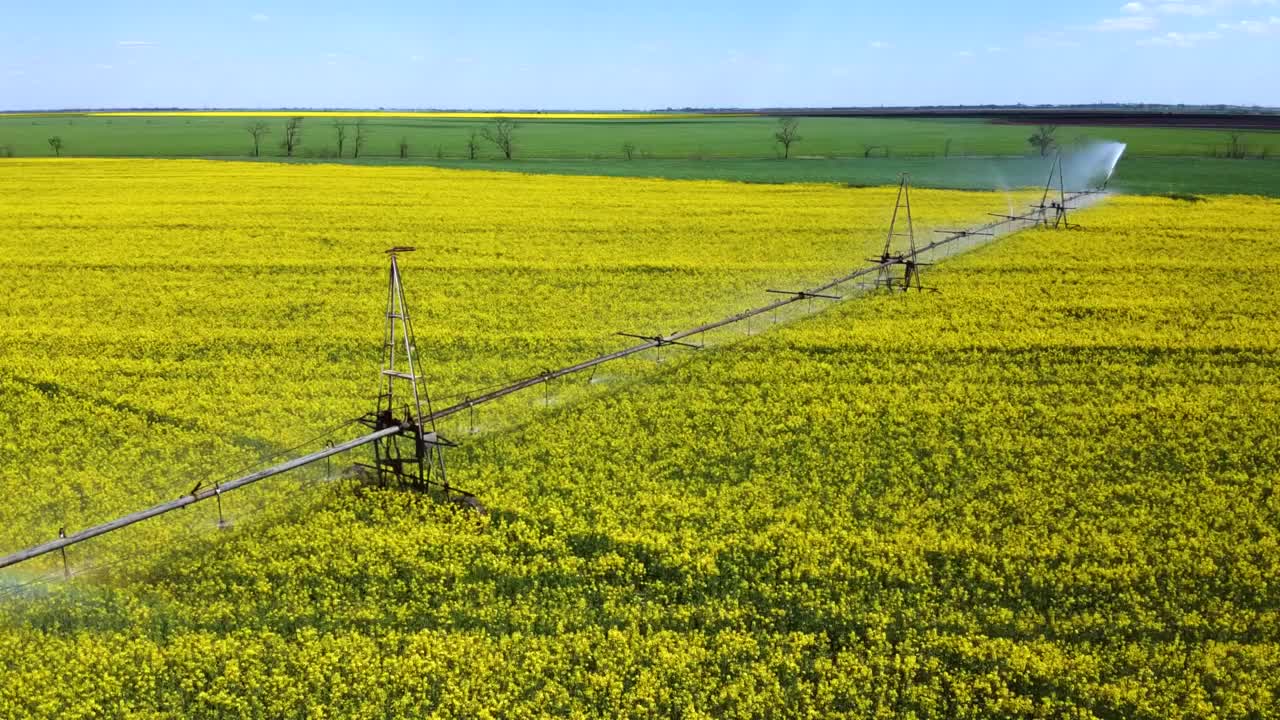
<point x="889" y="259"/>
<point x="413" y="457"/>
<point x="1055" y="208"/>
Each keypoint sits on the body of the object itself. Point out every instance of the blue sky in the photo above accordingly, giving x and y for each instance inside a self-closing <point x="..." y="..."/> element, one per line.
<point x="598" y="55"/>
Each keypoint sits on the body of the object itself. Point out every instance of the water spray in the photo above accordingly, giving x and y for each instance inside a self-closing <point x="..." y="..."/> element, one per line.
<point x="1111" y="168"/>
<point x="1092" y="164"/>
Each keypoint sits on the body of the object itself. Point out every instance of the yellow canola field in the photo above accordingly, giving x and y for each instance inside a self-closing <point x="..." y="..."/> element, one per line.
<point x="1046" y="491"/>
<point x="196" y="315"/>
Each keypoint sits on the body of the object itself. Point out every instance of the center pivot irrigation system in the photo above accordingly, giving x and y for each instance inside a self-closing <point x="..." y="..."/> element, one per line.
<point x="408" y="450"/>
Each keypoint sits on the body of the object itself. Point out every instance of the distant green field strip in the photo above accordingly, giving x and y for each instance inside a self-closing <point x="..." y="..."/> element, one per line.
<point x="669" y="138"/>
<point x="944" y="153"/>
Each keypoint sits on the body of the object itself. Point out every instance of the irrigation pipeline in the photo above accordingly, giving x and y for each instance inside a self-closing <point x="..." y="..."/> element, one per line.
<point x="1012" y="223"/>
<point x="1009" y="224"/>
<point x="191" y="499"/>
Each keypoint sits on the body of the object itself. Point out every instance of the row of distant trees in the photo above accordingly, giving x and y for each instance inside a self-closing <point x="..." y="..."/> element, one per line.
<point x="788" y="133"/>
<point x="355" y="134"/>
<point x="291" y="137"/>
<point x="502" y="135"/>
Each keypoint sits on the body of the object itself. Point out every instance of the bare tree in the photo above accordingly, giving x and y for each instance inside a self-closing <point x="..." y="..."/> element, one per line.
<point x="786" y="134"/>
<point x="6" y="151"/>
<point x="340" y="134"/>
<point x="501" y="134"/>
<point x="946" y="148"/>
<point x="362" y="135"/>
<point x="292" y="135"/>
<point x="473" y="144"/>
<point x="1043" y="139"/>
<point x="628" y="150"/>
<point x="867" y="149"/>
<point x="404" y="148"/>
<point x="1238" y="149"/>
<point x="258" y="130"/>
<point x="55" y="144"/>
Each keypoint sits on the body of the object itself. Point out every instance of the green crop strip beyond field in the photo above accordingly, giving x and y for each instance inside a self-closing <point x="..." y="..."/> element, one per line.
<point x="720" y="138"/>
<point x="1046" y="491"/>
<point x="950" y="153"/>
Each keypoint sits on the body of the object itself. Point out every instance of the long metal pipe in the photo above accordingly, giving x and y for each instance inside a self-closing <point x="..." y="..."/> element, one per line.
<point x="191" y="499"/>
<point x="195" y="497"/>
<point x="1032" y="218"/>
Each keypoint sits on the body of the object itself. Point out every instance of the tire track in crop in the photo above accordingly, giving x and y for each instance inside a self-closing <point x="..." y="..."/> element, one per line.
<point x="53" y="390"/>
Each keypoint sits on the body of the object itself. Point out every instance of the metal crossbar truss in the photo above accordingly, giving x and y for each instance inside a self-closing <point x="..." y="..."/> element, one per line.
<point x="889" y="277"/>
<point x="413" y="457"/>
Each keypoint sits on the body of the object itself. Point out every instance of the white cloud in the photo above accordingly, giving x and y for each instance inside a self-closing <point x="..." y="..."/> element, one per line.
<point x="994" y="49"/>
<point x="1179" y="39"/>
<point x="880" y="45"/>
<point x="964" y="54"/>
<point x="1134" y="8"/>
<point x="416" y="58"/>
<point x="260" y="17"/>
<point x="136" y="43"/>
<point x="1125" y="24"/>
<point x="1184" y="8"/>
<point x="102" y="66"/>
<point x="1208" y="7"/>
<point x="1253" y="27"/>
<point x="1050" y="40"/>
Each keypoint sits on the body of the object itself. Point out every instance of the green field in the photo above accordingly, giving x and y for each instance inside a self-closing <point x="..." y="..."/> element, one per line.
<point x="722" y="138"/>
<point x="860" y="151"/>
<point x="1048" y="490"/>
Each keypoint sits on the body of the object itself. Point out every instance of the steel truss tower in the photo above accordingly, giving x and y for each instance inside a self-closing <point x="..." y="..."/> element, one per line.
<point x="889" y="276"/>
<point x="413" y="457"/>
